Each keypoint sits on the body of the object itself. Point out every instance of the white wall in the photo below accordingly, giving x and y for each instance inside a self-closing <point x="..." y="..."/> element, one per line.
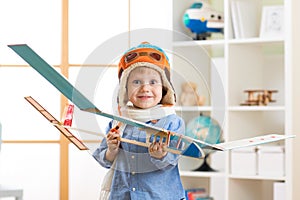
<point x="295" y="48"/>
<point x="35" y="167"/>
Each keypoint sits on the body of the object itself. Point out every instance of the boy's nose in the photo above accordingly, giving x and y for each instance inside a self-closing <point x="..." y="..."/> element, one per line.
<point x="145" y="86"/>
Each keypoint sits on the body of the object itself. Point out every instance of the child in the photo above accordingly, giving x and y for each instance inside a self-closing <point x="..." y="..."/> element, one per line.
<point x="146" y="94"/>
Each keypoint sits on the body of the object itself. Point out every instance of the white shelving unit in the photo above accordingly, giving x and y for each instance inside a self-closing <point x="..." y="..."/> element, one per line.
<point x="247" y="63"/>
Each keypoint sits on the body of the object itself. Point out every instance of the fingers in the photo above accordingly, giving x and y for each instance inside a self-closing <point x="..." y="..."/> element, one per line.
<point x="158" y="154"/>
<point x="112" y="139"/>
<point x="157" y="149"/>
<point x="112" y="135"/>
<point x="156" y="146"/>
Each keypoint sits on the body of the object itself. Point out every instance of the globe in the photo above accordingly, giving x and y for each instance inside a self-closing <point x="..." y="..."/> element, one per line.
<point x="206" y="129"/>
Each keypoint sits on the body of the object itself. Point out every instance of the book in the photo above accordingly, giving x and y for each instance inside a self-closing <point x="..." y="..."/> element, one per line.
<point x="247" y="12"/>
<point x="197" y="194"/>
<point x="235" y="20"/>
<point x="244" y="19"/>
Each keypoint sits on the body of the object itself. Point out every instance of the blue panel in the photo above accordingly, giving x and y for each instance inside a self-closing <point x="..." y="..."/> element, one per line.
<point x="193" y="150"/>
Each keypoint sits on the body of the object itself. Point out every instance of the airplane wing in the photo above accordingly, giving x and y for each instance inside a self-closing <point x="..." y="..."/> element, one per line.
<point x="72" y="138"/>
<point x="253" y="141"/>
<point x="84" y="104"/>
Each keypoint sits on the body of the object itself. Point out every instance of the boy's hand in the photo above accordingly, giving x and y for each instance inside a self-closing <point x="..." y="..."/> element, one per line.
<point x="113" y="143"/>
<point x="157" y="150"/>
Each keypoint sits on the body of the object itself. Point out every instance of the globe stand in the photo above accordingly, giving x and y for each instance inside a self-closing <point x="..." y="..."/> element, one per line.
<point x="205" y="166"/>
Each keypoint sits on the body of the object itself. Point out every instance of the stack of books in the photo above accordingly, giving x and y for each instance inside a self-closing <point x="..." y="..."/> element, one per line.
<point x="197" y="194"/>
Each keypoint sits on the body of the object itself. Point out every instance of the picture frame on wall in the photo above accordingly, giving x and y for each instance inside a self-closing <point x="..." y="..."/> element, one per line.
<point x="272" y="22"/>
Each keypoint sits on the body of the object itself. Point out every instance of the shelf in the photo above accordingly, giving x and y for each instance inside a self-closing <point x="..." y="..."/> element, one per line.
<point x="208" y="45"/>
<point x="201" y="174"/>
<point x="246" y="41"/>
<point x="231" y="108"/>
<point x="255" y="41"/>
<point x="256" y="108"/>
<point x="193" y="43"/>
<point x="193" y="108"/>
<point x="222" y="174"/>
<point x="257" y="177"/>
<point x="245" y="63"/>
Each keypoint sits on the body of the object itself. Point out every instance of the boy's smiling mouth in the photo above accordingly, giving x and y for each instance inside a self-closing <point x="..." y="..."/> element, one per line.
<point x="144" y="97"/>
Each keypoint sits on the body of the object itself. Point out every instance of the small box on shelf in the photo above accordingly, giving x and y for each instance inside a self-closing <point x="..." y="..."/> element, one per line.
<point x="244" y="161"/>
<point x="271" y="160"/>
<point x="279" y="191"/>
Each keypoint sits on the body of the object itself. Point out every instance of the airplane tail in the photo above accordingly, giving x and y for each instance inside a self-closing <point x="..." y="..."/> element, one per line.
<point x="68" y="115"/>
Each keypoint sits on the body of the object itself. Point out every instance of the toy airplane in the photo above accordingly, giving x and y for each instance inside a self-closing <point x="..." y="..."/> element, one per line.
<point x="193" y="149"/>
<point x="202" y="20"/>
<point x="259" y="97"/>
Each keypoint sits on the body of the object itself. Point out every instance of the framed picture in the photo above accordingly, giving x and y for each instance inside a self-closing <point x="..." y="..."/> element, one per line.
<point x="272" y="23"/>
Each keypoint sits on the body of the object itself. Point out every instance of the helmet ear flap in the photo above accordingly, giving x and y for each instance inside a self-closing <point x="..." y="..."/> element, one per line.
<point x="168" y="75"/>
<point x="120" y="73"/>
<point x="167" y="72"/>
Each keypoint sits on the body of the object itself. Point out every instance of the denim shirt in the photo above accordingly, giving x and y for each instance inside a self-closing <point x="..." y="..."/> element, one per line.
<point x="139" y="176"/>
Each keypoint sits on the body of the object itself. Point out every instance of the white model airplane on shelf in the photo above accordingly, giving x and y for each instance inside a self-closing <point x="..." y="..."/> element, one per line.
<point x="193" y="149"/>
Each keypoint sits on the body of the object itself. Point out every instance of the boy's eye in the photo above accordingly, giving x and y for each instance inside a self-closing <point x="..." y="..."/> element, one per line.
<point x="153" y="82"/>
<point x="137" y="82"/>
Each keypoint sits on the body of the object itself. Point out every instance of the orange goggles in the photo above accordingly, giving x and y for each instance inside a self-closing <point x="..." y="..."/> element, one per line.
<point x="148" y="55"/>
<point x="134" y="55"/>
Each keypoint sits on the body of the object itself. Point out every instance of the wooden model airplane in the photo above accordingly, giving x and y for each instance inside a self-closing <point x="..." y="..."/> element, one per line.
<point x="194" y="147"/>
<point x="262" y="97"/>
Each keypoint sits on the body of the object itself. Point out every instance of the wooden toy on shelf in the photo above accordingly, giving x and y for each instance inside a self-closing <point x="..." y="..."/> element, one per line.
<point x="259" y="97"/>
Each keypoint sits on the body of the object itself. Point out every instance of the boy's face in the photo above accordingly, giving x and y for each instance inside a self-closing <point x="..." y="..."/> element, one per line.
<point x="144" y="87"/>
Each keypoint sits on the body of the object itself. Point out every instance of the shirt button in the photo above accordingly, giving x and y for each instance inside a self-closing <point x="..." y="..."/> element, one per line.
<point x="133" y="173"/>
<point x="132" y="157"/>
<point x="133" y="189"/>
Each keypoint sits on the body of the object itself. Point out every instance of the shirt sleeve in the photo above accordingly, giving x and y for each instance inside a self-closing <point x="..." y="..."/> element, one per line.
<point x="100" y="152"/>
